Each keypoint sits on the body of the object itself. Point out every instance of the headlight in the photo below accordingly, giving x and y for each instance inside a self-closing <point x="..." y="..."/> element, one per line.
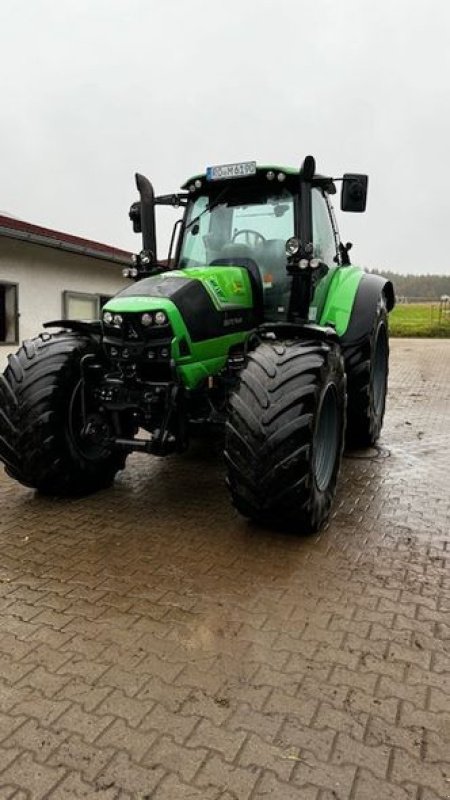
<point x="107" y="317"/>
<point x="292" y="246"/>
<point x="117" y="319"/>
<point x="146" y="320"/>
<point x="160" y="318"/>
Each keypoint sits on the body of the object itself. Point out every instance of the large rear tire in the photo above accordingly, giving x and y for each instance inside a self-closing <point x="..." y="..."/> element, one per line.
<point x="40" y="420"/>
<point x="285" y="434"/>
<point x="367" y="367"/>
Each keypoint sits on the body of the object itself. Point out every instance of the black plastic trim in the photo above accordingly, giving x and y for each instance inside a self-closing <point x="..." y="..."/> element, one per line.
<point x="294" y="330"/>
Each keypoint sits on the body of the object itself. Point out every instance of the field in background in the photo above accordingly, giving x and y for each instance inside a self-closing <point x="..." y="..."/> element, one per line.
<point x="419" y="319"/>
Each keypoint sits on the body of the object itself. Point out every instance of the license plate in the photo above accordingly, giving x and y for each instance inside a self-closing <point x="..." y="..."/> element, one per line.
<point x="224" y="171"/>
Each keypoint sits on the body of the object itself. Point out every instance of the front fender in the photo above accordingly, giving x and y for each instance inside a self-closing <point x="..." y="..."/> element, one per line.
<point x="371" y="289"/>
<point x="91" y="328"/>
<point x="351" y="302"/>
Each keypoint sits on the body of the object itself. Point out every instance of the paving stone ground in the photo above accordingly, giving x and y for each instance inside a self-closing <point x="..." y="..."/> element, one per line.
<point x="153" y="644"/>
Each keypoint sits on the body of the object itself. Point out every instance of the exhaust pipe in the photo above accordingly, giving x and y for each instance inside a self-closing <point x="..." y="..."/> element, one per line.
<point x="147" y="209"/>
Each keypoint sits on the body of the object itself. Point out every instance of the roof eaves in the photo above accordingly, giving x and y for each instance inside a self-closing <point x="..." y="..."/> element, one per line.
<point x="60" y="244"/>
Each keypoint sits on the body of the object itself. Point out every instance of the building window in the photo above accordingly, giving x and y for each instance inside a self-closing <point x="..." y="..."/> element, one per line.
<point x="80" y="305"/>
<point x="9" y="314"/>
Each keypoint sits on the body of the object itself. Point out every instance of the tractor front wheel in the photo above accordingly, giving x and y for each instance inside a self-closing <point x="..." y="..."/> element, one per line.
<point x="285" y="433"/>
<point x="44" y="439"/>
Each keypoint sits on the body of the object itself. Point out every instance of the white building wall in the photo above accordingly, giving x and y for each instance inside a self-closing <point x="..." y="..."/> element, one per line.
<point x="42" y="275"/>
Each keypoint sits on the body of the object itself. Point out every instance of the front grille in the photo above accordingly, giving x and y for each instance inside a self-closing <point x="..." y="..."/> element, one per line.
<point x="133" y="342"/>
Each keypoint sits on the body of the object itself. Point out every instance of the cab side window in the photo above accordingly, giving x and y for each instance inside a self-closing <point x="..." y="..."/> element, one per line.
<point x="323" y="235"/>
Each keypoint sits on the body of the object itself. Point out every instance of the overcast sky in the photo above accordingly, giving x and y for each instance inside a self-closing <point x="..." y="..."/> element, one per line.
<point x="93" y="90"/>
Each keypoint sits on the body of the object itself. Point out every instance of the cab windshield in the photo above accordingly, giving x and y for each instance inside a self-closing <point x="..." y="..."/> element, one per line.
<point x="223" y="228"/>
<point x="247" y="227"/>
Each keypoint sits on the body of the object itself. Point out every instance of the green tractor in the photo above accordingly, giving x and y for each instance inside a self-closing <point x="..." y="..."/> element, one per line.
<point x="257" y="325"/>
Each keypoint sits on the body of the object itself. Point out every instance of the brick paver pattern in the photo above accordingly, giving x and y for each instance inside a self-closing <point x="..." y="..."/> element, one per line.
<point x="153" y="644"/>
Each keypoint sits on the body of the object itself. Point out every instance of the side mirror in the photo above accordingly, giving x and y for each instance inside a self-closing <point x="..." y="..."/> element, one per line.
<point x="354" y="192"/>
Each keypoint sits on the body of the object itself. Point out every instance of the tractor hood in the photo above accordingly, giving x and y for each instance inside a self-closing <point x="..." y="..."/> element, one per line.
<point x="208" y="302"/>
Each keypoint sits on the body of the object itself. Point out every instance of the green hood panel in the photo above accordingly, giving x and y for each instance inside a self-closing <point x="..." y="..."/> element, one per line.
<point x="227" y="286"/>
<point x="210" y="310"/>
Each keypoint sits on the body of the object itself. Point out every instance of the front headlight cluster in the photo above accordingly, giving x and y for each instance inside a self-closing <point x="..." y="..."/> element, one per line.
<point x="157" y="318"/>
<point x="147" y="318"/>
<point x="112" y="319"/>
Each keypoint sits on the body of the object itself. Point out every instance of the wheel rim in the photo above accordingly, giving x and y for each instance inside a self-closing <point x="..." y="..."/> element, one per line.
<point x="326" y="440"/>
<point x="380" y="371"/>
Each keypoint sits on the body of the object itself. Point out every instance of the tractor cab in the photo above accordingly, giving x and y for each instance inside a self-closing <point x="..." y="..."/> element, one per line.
<point x="247" y="222"/>
<point x="275" y="222"/>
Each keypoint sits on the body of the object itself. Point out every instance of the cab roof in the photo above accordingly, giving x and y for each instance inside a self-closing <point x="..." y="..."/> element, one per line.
<point x="290" y="172"/>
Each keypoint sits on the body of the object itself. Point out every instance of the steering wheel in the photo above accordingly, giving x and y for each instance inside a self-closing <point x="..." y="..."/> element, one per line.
<point x="258" y="238"/>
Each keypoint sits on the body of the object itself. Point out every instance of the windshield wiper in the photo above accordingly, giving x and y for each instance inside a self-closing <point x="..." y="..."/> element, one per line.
<point x="209" y="207"/>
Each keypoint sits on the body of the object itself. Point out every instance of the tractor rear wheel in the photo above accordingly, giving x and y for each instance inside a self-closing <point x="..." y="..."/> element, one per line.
<point x="285" y="433"/>
<point x="367" y="367"/>
<point x="41" y="420"/>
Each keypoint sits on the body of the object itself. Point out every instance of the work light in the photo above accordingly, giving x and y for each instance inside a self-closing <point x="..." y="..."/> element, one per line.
<point x="160" y="318"/>
<point x="292" y="246"/>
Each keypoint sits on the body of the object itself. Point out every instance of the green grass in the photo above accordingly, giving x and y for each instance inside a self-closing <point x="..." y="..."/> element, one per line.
<point x="419" y="319"/>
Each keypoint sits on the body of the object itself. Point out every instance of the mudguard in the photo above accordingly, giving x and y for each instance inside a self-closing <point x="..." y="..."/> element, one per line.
<point x="93" y="328"/>
<point x="347" y="300"/>
<point x="370" y="289"/>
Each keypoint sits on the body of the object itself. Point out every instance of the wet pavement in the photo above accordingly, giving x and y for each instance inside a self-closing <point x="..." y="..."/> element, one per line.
<point x="153" y="644"/>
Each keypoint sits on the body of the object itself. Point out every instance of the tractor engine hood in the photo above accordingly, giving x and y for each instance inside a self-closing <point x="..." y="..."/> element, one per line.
<point x="201" y="303"/>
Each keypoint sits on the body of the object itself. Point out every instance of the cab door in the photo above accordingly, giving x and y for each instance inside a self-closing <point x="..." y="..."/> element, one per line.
<point x="325" y="248"/>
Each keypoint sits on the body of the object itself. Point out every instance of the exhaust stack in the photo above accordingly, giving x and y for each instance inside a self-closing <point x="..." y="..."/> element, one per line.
<point x="147" y="210"/>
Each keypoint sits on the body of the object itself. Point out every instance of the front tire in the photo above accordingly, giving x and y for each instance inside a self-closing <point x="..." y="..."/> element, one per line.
<point x="285" y="434"/>
<point x="40" y="420"/>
